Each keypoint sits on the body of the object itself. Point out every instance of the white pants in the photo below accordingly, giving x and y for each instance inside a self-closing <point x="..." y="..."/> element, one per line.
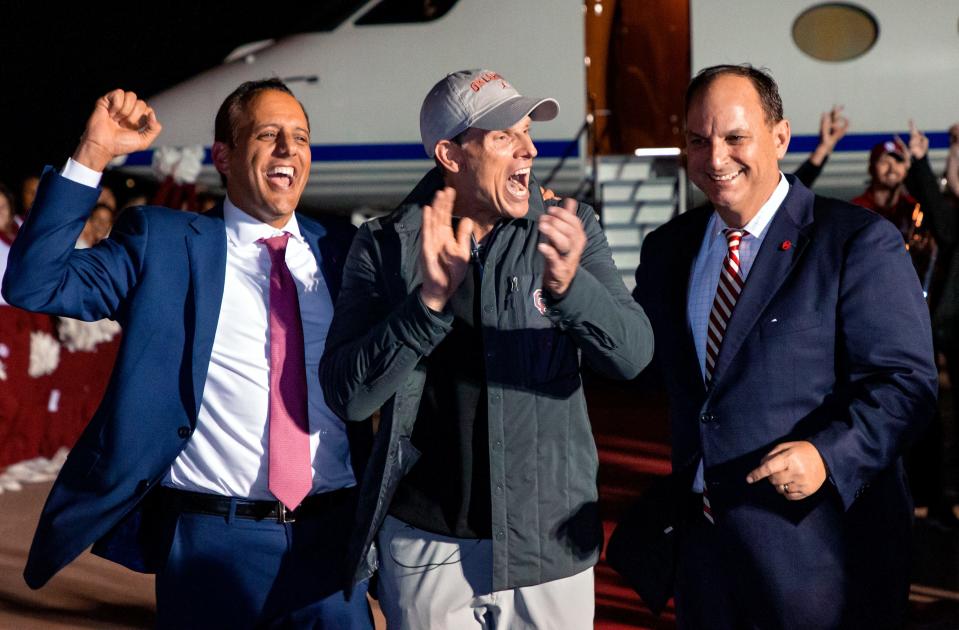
<point x="433" y="582"/>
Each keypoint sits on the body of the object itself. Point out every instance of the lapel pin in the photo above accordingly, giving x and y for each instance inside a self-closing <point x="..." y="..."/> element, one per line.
<point x="785" y="245"/>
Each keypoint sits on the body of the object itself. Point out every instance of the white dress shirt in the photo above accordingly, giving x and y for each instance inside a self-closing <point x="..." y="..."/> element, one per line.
<point x="704" y="277"/>
<point x="227" y="453"/>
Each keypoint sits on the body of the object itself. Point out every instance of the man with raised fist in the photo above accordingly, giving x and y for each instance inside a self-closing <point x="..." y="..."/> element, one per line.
<point x="213" y="459"/>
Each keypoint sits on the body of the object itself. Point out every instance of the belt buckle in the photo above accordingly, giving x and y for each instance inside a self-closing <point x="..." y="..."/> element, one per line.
<point x="285" y="514"/>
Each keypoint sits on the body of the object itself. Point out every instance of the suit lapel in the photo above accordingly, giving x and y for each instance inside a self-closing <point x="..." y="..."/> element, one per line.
<point x="206" y="247"/>
<point x="317" y="238"/>
<point x="773" y="264"/>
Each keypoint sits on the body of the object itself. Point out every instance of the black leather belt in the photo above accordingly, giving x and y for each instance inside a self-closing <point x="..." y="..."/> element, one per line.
<point x="219" y="505"/>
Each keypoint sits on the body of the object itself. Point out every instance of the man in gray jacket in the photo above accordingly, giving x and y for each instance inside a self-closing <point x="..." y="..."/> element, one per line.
<point x="462" y="317"/>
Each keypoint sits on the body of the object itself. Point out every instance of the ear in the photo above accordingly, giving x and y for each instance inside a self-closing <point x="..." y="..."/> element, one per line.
<point x="781" y="136"/>
<point x="449" y="155"/>
<point x="221" y="157"/>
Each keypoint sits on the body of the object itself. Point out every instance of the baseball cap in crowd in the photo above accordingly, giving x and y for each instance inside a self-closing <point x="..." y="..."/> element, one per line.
<point x="476" y="98"/>
<point x="886" y="148"/>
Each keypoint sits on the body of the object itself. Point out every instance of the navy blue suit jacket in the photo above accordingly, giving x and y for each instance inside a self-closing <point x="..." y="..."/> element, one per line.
<point x="829" y="342"/>
<point x="160" y="275"/>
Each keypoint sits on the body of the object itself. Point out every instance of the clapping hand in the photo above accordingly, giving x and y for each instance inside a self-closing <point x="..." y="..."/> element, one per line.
<point x="444" y="256"/>
<point x="562" y="246"/>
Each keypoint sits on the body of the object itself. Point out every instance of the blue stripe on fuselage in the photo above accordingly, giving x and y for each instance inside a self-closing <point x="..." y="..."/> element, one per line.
<point x="375" y="152"/>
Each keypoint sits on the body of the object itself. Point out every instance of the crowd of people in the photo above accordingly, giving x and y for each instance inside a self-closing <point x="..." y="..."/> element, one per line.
<point x="234" y="452"/>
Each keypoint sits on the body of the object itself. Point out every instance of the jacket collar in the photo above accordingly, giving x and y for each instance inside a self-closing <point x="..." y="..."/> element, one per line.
<point x="206" y="242"/>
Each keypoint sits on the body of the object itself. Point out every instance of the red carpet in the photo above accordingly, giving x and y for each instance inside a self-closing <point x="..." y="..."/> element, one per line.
<point x="632" y="434"/>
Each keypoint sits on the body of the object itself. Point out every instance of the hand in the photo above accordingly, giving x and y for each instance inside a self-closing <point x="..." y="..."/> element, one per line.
<point x="445" y="257"/>
<point x="918" y="143"/>
<point x="795" y="469"/>
<point x="832" y="127"/>
<point x="564" y="240"/>
<point x="120" y="124"/>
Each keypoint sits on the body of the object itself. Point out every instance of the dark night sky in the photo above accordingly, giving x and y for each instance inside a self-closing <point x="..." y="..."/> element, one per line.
<point x="54" y="64"/>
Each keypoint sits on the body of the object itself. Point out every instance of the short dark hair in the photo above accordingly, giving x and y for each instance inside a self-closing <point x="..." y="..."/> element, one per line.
<point x="224" y="126"/>
<point x="766" y="87"/>
<point x="458" y="140"/>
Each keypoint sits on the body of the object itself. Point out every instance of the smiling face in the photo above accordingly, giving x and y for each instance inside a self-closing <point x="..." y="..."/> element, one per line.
<point x="733" y="152"/>
<point x="888" y="172"/>
<point x="492" y="173"/>
<point x="269" y="163"/>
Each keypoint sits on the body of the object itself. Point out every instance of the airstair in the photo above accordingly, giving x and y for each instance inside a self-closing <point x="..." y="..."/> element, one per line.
<point x="635" y="195"/>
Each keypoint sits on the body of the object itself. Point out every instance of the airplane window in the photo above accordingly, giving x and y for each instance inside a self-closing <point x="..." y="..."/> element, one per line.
<point x="406" y="11"/>
<point x="835" y="31"/>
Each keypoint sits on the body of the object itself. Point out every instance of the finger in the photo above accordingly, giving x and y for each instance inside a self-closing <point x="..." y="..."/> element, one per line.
<point x="769" y="467"/>
<point x="152" y="127"/>
<point x="136" y="119"/>
<point x="556" y="225"/>
<point x="126" y="107"/>
<point x="426" y="234"/>
<point x="553" y="236"/>
<point x="550" y="253"/>
<point x="780" y="448"/>
<point x="913" y="130"/>
<point x="111" y="101"/>
<point x="443" y="206"/>
<point x="463" y="232"/>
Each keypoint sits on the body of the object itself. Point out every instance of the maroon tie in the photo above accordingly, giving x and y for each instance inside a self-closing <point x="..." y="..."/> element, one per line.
<point x="290" y="469"/>
<point x="727" y="293"/>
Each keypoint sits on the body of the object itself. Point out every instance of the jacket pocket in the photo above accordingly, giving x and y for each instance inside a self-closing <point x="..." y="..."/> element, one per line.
<point x="775" y="326"/>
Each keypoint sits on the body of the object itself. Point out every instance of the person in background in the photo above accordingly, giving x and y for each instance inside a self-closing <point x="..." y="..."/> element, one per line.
<point x="940" y="216"/>
<point x="886" y="193"/>
<point x="8" y="223"/>
<point x="97" y="226"/>
<point x="28" y="191"/>
<point x="833" y="125"/>
<point x="8" y="228"/>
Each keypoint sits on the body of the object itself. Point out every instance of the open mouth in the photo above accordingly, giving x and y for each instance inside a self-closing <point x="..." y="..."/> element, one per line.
<point x="518" y="183"/>
<point x="728" y="177"/>
<point x="281" y="176"/>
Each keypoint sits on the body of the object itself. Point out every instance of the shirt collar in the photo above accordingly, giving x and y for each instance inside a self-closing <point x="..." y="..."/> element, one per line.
<point x="242" y="229"/>
<point x="758" y="224"/>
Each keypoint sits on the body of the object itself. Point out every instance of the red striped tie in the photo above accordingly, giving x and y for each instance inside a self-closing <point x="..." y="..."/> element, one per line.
<point x="727" y="292"/>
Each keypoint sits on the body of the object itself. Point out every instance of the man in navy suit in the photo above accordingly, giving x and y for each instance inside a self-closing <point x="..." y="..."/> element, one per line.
<point x="796" y="350"/>
<point x="176" y="472"/>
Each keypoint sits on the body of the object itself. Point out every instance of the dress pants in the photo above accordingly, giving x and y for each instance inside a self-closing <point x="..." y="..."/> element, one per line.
<point x="760" y="568"/>
<point x="230" y="572"/>
<point x="429" y="581"/>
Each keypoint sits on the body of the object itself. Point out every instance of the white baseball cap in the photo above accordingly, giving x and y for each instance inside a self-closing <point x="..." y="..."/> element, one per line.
<point x="476" y="98"/>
